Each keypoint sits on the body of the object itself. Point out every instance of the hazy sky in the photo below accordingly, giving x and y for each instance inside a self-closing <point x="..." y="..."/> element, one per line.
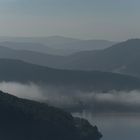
<point x="89" y="19"/>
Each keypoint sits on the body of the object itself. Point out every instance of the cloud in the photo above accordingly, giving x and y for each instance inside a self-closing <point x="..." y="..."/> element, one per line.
<point x="76" y="101"/>
<point x="29" y="91"/>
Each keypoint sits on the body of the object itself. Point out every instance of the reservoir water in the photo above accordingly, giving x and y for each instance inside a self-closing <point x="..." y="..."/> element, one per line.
<point x="116" y="126"/>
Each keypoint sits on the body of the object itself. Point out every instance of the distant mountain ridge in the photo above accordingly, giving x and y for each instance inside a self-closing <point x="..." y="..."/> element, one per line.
<point x="109" y="59"/>
<point x="30" y="46"/>
<point x="117" y="58"/>
<point x="83" y="45"/>
<point x="58" y="45"/>
<point x="19" y="71"/>
<point x="120" y="58"/>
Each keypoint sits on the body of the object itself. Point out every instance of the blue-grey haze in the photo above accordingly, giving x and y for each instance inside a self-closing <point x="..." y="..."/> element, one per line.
<point x="88" y="19"/>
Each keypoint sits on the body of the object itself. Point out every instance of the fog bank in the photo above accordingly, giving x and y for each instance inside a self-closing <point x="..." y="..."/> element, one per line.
<point x="75" y="100"/>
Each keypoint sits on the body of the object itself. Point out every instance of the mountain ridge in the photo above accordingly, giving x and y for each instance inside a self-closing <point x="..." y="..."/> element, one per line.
<point x="58" y="45"/>
<point x="118" y="59"/>
<point x="19" y="71"/>
<point x="25" y="119"/>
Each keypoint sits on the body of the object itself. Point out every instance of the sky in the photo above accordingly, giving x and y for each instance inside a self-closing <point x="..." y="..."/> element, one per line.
<point x="84" y="19"/>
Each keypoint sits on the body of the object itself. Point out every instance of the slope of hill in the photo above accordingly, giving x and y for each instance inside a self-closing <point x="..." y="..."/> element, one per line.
<point x="51" y="40"/>
<point x="59" y="40"/>
<point x="14" y="70"/>
<point x="28" y="120"/>
<point x="37" y="47"/>
<point x="85" y="45"/>
<point x="120" y="58"/>
<point x="54" y="44"/>
<point x="31" y="46"/>
<point x="113" y="59"/>
<point x="31" y="56"/>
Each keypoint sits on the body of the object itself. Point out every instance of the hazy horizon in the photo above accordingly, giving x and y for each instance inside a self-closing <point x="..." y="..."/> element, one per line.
<point x="91" y="19"/>
<point x="63" y="36"/>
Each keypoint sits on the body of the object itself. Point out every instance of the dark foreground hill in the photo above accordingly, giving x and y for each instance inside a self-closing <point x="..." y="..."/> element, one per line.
<point x="22" y="119"/>
<point x="19" y="71"/>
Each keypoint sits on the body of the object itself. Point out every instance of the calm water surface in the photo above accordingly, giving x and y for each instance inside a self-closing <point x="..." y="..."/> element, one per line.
<point x="116" y="126"/>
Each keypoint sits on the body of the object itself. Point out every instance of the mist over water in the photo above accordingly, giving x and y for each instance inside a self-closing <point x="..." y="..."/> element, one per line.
<point x="115" y="126"/>
<point x="116" y="114"/>
<point x="29" y="91"/>
<point x="76" y="100"/>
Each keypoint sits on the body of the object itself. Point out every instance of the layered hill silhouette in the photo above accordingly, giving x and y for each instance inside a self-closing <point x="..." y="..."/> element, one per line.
<point x="22" y="119"/>
<point x="77" y="44"/>
<point x="120" y="58"/>
<point x="19" y="71"/>
<point x="31" y="46"/>
<point x="57" y="45"/>
<point x="116" y="58"/>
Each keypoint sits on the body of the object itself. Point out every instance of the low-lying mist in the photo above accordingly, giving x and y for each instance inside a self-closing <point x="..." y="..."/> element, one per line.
<point x="75" y="100"/>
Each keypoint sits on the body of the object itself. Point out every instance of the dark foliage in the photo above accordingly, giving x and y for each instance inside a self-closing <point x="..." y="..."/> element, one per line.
<point x="22" y="119"/>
